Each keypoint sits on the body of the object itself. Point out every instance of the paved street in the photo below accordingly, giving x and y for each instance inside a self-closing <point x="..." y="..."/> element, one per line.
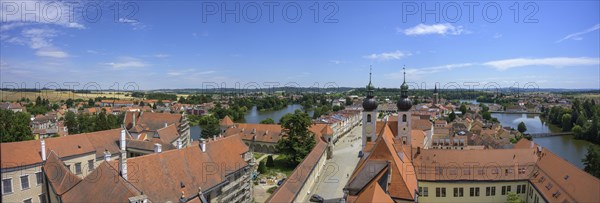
<point x="336" y="171"/>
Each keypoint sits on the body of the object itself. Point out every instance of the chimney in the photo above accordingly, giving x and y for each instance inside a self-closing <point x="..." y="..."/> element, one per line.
<point x="43" y="150"/>
<point x="157" y="148"/>
<point x="106" y="155"/>
<point x="203" y="144"/>
<point x="123" y="160"/>
<point x="166" y="125"/>
<point x="179" y="144"/>
<point x="133" y="113"/>
<point x="214" y="137"/>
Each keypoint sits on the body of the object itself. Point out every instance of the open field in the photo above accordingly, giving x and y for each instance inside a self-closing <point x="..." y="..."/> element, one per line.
<point x="55" y="96"/>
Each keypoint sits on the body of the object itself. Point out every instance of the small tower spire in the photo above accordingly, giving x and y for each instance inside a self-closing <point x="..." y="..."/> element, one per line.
<point x="370" y="70"/>
<point x="404" y="69"/>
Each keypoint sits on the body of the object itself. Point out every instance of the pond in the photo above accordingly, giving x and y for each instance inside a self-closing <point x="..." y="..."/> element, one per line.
<point x="566" y="147"/>
<point x="255" y="116"/>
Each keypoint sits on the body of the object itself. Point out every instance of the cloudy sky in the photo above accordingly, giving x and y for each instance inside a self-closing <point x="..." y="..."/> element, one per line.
<point x="162" y="44"/>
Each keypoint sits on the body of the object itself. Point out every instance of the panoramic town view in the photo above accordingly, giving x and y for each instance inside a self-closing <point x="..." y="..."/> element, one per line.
<point x="300" y="101"/>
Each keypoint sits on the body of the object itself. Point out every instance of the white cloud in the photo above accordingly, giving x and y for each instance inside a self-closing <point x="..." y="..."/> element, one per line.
<point x="52" y="53"/>
<point x="427" y="70"/>
<point x="497" y="35"/>
<point x="40" y="40"/>
<point x="161" y="55"/>
<point x="137" y="25"/>
<point x="127" y="62"/>
<point x="441" y="29"/>
<point x="577" y="35"/>
<point x="61" y="13"/>
<point x="190" y="72"/>
<point x="396" y="55"/>
<point x="554" y="62"/>
<point x="336" y="62"/>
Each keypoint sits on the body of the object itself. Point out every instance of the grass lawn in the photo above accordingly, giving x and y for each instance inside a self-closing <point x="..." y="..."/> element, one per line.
<point x="281" y="166"/>
<point x="257" y="155"/>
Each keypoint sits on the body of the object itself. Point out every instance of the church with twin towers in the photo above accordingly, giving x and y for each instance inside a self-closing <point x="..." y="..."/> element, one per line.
<point x="403" y="160"/>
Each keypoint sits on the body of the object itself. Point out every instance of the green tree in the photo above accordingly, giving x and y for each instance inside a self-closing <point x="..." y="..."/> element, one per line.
<point x="451" y="117"/>
<point x="14" y="127"/>
<point x="578" y="131"/>
<point x="270" y="161"/>
<point x="209" y="125"/>
<point x="566" y="122"/>
<point x="299" y="140"/>
<point x="463" y="109"/>
<point x="262" y="168"/>
<point x="91" y="102"/>
<point x="512" y="197"/>
<point x="521" y="127"/>
<point x="71" y="123"/>
<point x="592" y="162"/>
<point x="267" y="121"/>
<point x="486" y="115"/>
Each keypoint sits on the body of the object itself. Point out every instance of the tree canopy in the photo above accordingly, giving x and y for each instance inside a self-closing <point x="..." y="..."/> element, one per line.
<point x="14" y="127"/>
<point x="299" y="141"/>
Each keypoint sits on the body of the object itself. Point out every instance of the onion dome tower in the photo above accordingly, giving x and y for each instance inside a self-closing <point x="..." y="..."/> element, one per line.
<point x="404" y="117"/>
<point x="369" y="114"/>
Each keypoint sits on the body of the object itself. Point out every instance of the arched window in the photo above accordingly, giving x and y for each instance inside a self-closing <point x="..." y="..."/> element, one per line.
<point x="404" y="118"/>
<point x="369" y="118"/>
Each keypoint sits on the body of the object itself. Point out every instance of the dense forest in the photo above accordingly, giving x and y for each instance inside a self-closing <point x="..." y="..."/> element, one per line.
<point x="582" y="119"/>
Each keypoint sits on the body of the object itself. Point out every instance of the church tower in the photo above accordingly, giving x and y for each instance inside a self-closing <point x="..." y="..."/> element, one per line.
<point x="404" y="118"/>
<point x="369" y="115"/>
<point x="436" y="98"/>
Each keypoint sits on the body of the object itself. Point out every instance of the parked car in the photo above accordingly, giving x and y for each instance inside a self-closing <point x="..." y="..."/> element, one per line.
<point x="280" y="182"/>
<point x="316" y="198"/>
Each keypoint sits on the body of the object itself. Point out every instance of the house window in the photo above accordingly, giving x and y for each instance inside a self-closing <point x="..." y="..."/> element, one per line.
<point x="490" y="191"/>
<point x="90" y="165"/>
<point x="424" y="191"/>
<point x="39" y="177"/>
<point x="78" y="168"/>
<point x="507" y="189"/>
<point x="440" y="192"/>
<point x="24" y="182"/>
<point x="369" y="118"/>
<point x="503" y="190"/>
<point x="458" y="192"/>
<point x="520" y="189"/>
<point x="27" y="200"/>
<point x="42" y="198"/>
<point x="474" y="192"/>
<point x="404" y="118"/>
<point x="7" y="186"/>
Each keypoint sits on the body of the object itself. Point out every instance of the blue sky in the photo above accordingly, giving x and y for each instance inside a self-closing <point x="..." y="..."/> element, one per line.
<point x="187" y="44"/>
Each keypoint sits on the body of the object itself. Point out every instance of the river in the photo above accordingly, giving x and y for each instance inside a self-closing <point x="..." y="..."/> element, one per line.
<point x="255" y="116"/>
<point x="566" y="147"/>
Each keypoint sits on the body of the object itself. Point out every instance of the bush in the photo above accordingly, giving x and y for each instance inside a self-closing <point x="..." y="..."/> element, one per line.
<point x="271" y="190"/>
<point x="270" y="162"/>
<point x="262" y="168"/>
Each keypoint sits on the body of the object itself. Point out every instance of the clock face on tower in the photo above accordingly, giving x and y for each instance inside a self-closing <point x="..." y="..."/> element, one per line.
<point x="368" y="129"/>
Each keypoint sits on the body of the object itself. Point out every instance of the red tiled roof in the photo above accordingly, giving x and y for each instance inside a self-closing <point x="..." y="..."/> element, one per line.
<point x="59" y="177"/>
<point x="168" y="134"/>
<point x="226" y="121"/>
<point x="102" y="185"/>
<point x="189" y="166"/>
<point x="29" y="152"/>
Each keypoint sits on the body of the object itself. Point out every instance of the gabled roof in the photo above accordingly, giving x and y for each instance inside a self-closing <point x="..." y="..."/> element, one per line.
<point x="374" y="193"/>
<point x="160" y="175"/>
<point x="226" y="121"/>
<point x="104" y="140"/>
<point x="60" y="178"/>
<point x="559" y="180"/>
<point x="25" y="153"/>
<point x="327" y="131"/>
<point x="168" y="134"/>
<point x="104" y="184"/>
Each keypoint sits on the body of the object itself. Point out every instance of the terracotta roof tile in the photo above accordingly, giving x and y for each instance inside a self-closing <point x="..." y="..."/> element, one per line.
<point x="29" y="152"/>
<point x="59" y="177"/>
<point x="102" y="185"/>
<point x="226" y="121"/>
